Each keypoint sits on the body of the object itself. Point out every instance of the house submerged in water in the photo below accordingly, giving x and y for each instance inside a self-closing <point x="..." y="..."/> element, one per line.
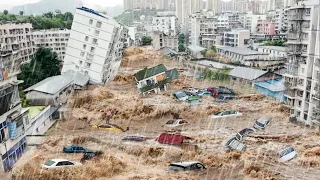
<point x="155" y="79"/>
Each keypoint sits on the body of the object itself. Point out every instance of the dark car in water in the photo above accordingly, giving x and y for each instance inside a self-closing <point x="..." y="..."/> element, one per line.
<point x="186" y="166"/>
<point x="216" y="91"/>
<point x="76" y="149"/>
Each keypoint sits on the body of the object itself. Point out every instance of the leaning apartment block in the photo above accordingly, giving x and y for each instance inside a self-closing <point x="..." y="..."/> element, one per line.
<point x="95" y="45"/>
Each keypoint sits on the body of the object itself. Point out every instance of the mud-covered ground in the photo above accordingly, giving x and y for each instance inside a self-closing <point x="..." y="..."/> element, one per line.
<point x="146" y="116"/>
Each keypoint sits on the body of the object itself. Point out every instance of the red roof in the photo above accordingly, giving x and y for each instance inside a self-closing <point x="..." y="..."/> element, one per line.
<point x="175" y="139"/>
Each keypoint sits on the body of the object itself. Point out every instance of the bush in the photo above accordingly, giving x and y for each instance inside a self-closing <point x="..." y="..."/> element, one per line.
<point x="215" y="74"/>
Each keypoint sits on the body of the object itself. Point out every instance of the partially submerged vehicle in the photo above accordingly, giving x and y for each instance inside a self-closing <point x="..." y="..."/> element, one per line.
<point x="234" y="144"/>
<point x="226" y="113"/>
<point x="203" y="92"/>
<point x="174" y="139"/>
<point x="134" y="138"/>
<point x="288" y="154"/>
<point x="262" y="123"/>
<point x="181" y="96"/>
<point x="111" y="127"/>
<point x="59" y="163"/>
<point x="186" y="166"/>
<point x="89" y="156"/>
<point x="76" y="149"/>
<point x="225" y="97"/>
<point x="216" y="91"/>
<point x="176" y="123"/>
<point x="193" y="99"/>
<point x="191" y="90"/>
<point x="241" y="134"/>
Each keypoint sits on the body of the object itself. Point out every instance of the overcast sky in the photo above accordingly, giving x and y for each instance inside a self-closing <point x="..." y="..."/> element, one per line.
<point x="97" y="2"/>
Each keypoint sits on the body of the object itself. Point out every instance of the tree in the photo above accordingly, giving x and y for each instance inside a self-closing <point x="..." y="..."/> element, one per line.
<point x="146" y="40"/>
<point x="5" y="12"/>
<point x="12" y="17"/>
<point x="21" y="13"/>
<point x="48" y="15"/>
<point x="44" y="64"/>
<point x="181" y="41"/>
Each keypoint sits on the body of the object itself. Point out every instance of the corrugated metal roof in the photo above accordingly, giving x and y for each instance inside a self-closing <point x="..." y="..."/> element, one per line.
<point x="246" y="73"/>
<point x="272" y="85"/>
<point x="148" y="72"/>
<point x="242" y="51"/>
<point x="195" y="48"/>
<point x="51" y="85"/>
<point x="78" y="78"/>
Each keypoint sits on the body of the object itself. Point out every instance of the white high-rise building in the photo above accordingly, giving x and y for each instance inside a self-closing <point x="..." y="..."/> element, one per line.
<point x="184" y="8"/>
<point x="250" y="21"/>
<point x="302" y="76"/>
<point x="279" y="18"/>
<point x="166" y="24"/>
<point x="55" y="39"/>
<point x="202" y="24"/>
<point x="214" y="5"/>
<point x="95" y="45"/>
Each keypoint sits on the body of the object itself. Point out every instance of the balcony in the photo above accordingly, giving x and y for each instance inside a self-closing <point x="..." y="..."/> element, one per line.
<point x="290" y="94"/>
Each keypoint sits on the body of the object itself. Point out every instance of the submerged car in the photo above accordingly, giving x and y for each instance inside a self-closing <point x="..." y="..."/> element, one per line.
<point x="203" y="92"/>
<point x="241" y="134"/>
<point x="234" y="144"/>
<point x="225" y="97"/>
<point x="76" y="149"/>
<point x="181" y="96"/>
<point x="262" y="123"/>
<point x="134" y="138"/>
<point x="193" y="99"/>
<point x="191" y="90"/>
<point x="186" y="166"/>
<point x="288" y="154"/>
<point x="59" y="163"/>
<point x="111" y="127"/>
<point x="176" y="123"/>
<point x="216" y="91"/>
<point x="89" y="156"/>
<point x="227" y="113"/>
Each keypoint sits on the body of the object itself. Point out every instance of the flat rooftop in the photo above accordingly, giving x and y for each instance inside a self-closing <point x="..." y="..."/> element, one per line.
<point x="242" y="51"/>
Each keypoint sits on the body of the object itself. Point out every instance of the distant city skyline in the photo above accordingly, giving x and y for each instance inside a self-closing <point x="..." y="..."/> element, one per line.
<point x="104" y="3"/>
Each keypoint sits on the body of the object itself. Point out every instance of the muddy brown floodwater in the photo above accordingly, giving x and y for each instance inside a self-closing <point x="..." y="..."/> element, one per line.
<point x="146" y="116"/>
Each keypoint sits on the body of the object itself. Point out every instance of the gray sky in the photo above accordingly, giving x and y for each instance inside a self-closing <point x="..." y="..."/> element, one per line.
<point x="97" y="2"/>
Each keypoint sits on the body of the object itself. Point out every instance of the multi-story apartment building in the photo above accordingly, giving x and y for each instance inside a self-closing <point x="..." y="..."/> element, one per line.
<point x="161" y="40"/>
<point x="275" y="4"/>
<point x="95" y="45"/>
<point x="202" y="23"/>
<point x="279" y="18"/>
<point x="166" y="24"/>
<point x="16" y="48"/>
<point x="55" y="39"/>
<point x="250" y="21"/>
<point x="265" y="27"/>
<point x="237" y="38"/>
<point x="227" y="20"/>
<point x="184" y="8"/>
<point x="214" y="5"/>
<point x="302" y="72"/>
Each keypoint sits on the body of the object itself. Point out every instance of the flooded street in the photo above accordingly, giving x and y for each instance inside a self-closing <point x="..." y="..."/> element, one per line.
<point x="147" y="116"/>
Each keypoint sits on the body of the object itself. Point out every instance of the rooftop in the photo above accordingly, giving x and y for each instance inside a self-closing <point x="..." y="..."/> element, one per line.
<point x="92" y="12"/>
<point x="272" y="85"/>
<point x="213" y="64"/>
<point x="51" y="85"/>
<point x="277" y="48"/>
<point x="35" y="110"/>
<point x="246" y="73"/>
<point x="242" y="51"/>
<point x="148" y="72"/>
<point x="78" y="78"/>
<point x="195" y="48"/>
<point x="185" y="164"/>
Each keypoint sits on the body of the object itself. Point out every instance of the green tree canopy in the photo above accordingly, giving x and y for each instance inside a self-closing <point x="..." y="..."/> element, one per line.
<point x="146" y="40"/>
<point x="21" y="13"/>
<point x="275" y="43"/>
<point x="44" y="64"/>
<point x="5" y="12"/>
<point x="181" y="43"/>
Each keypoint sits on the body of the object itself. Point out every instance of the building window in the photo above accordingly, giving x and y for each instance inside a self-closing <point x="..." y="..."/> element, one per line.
<point x="94" y="41"/>
<point x="77" y="67"/>
<point x="84" y="46"/>
<point x="90" y="21"/>
<point x="302" y="70"/>
<point x="82" y="53"/>
<point x="86" y="38"/>
<point x="92" y="49"/>
<point x="96" y="32"/>
<point x="80" y="62"/>
<point x="88" y="65"/>
<point x="89" y="56"/>
<point x="86" y="72"/>
<point x="98" y="25"/>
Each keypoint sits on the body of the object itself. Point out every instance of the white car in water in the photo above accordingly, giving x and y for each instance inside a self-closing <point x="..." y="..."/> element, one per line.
<point x="234" y="144"/>
<point x="288" y="154"/>
<point x="228" y="113"/>
<point x="59" y="163"/>
<point x="176" y="123"/>
<point x="262" y="123"/>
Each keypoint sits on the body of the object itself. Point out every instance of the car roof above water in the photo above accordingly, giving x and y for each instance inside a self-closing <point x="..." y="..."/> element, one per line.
<point x="185" y="164"/>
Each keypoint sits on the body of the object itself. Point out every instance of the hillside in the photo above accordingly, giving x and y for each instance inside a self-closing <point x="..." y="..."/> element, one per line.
<point x="45" y="6"/>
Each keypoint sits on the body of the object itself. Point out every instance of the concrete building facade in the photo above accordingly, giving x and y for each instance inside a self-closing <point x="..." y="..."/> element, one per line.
<point x="166" y="24"/>
<point x="55" y="39"/>
<point x="95" y="45"/>
<point x="237" y="38"/>
<point x="265" y="27"/>
<point x="161" y="40"/>
<point x="302" y="75"/>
